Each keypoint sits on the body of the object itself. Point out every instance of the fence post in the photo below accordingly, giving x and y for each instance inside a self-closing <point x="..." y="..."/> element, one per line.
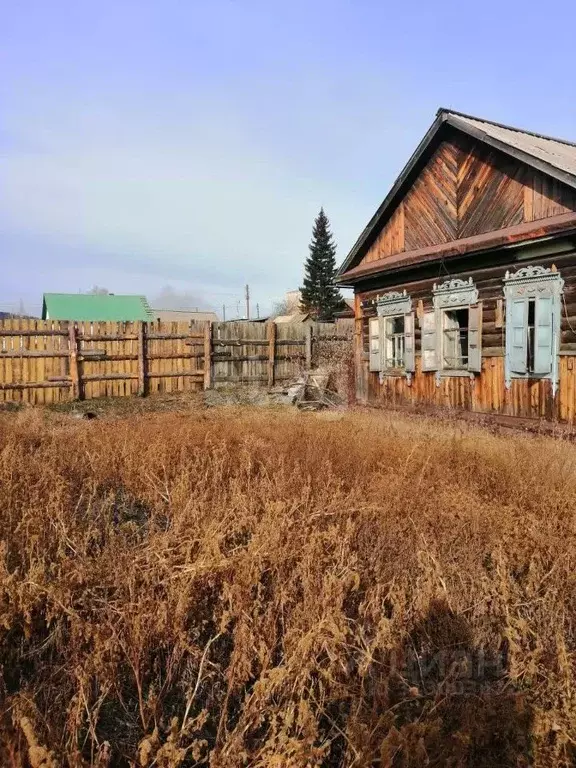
<point x="207" y="354"/>
<point x="271" y="352"/>
<point x="141" y="358"/>
<point x="308" y="347"/>
<point x="74" y="367"/>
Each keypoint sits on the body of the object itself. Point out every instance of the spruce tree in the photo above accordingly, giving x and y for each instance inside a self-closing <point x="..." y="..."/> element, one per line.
<point x="320" y="296"/>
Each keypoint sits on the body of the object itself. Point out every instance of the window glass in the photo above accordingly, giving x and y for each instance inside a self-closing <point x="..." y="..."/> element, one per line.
<point x="395" y="342"/>
<point x="530" y="346"/>
<point x="455" y="339"/>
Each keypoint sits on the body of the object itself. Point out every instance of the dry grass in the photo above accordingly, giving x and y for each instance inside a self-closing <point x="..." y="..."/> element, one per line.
<point x="248" y="588"/>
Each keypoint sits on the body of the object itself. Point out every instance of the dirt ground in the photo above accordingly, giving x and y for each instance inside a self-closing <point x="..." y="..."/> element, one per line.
<point x="258" y="397"/>
<point x="118" y="407"/>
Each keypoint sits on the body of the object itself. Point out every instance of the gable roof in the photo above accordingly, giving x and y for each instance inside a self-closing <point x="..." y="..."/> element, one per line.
<point x="95" y="307"/>
<point x="555" y="157"/>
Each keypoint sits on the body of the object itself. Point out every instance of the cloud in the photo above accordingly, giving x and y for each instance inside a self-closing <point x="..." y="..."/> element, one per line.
<point x="169" y="298"/>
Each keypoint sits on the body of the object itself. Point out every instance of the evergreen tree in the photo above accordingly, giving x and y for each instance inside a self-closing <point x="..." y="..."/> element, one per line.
<point x="320" y="296"/>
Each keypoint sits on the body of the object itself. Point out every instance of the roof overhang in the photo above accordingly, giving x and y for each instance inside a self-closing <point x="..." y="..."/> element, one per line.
<point x="527" y="233"/>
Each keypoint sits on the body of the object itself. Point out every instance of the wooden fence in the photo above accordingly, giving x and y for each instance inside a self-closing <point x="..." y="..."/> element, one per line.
<point x="43" y="361"/>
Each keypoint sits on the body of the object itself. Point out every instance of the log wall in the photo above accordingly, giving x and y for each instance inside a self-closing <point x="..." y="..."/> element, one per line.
<point x="486" y="392"/>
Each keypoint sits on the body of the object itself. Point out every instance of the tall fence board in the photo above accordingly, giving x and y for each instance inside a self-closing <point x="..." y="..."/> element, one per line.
<point x="44" y="362"/>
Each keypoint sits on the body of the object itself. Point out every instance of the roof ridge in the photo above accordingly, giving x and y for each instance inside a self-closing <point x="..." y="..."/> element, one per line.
<point x="445" y="111"/>
<point x="99" y="295"/>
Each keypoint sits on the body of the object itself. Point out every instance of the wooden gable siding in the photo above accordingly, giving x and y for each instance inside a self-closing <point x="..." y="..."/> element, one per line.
<point x="430" y="207"/>
<point x="391" y="238"/>
<point x="544" y="197"/>
<point x="490" y="190"/>
<point x="465" y="189"/>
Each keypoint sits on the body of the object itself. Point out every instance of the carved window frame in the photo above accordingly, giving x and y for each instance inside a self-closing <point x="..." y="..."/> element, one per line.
<point x="534" y="282"/>
<point x="396" y="304"/>
<point x="453" y="293"/>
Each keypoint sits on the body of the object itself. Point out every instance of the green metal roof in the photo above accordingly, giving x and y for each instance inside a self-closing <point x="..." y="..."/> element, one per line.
<point x="95" y="307"/>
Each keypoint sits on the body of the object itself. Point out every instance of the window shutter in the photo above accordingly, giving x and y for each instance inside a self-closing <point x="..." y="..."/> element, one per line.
<point x="409" y="361"/>
<point x="543" y="335"/>
<point x="517" y="333"/>
<point x="374" y="334"/>
<point x="429" y="337"/>
<point x="475" y="338"/>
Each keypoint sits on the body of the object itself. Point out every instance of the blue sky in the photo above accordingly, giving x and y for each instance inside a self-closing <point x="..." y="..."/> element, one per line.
<point x="153" y="142"/>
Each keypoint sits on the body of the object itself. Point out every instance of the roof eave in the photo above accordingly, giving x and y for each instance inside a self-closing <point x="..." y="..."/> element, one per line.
<point x="516" y="236"/>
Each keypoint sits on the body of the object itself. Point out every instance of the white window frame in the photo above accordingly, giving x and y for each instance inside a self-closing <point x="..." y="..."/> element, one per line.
<point x="544" y="286"/>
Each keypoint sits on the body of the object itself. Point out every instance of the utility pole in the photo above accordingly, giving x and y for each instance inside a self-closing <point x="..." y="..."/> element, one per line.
<point x="247" y="289"/>
<point x="224" y="313"/>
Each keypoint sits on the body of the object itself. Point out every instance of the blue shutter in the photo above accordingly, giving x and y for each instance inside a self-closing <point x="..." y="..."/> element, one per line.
<point x="543" y="335"/>
<point x="429" y="342"/>
<point x="409" y="362"/>
<point x="475" y="338"/>
<point x="517" y="328"/>
<point x="374" y="342"/>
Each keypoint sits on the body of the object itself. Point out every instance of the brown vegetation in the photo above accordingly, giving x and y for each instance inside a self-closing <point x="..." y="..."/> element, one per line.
<point x="263" y="588"/>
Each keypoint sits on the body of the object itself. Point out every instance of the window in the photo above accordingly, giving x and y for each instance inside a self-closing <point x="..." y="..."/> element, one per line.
<point x="455" y="339"/>
<point x="533" y="310"/>
<point x="391" y="335"/>
<point x="452" y="332"/>
<point x="395" y="341"/>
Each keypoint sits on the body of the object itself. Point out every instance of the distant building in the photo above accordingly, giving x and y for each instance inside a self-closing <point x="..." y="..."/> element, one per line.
<point x="92" y="307"/>
<point x="293" y="300"/>
<point x="348" y="311"/>
<point x="183" y="316"/>
<point x="295" y="317"/>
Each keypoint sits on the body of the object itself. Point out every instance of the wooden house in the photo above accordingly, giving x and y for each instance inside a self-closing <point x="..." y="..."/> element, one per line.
<point x="465" y="277"/>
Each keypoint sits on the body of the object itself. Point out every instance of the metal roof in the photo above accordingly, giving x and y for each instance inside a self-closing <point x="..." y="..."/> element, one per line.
<point x="555" y="152"/>
<point x="553" y="156"/>
<point x="95" y="307"/>
<point x="183" y="315"/>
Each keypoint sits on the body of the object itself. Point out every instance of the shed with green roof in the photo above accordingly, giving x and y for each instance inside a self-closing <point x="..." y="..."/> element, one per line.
<point x="89" y="307"/>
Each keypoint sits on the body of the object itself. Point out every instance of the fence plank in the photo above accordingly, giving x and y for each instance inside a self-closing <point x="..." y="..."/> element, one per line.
<point x="141" y="359"/>
<point x="74" y="370"/>
<point x="308" y="353"/>
<point x="207" y="355"/>
<point x="271" y="353"/>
